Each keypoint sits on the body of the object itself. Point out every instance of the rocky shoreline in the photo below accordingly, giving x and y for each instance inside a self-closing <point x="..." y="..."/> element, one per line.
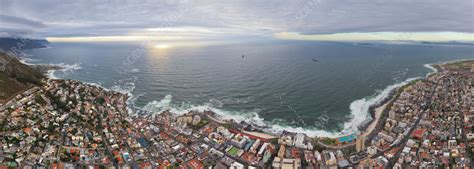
<point x="373" y="107"/>
<point x="45" y="68"/>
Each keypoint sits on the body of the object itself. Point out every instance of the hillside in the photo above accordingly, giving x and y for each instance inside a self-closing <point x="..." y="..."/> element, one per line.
<point x="15" y="76"/>
<point x="8" y="44"/>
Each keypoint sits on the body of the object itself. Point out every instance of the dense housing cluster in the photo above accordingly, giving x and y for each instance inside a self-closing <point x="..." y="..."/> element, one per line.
<point x="68" y="124"/>
<point x="428" y="124"/>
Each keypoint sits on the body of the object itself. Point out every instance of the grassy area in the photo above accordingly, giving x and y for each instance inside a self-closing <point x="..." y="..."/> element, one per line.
<point x="329" y="141"/>
<point x="9" y="86"/>
<point x="460" y="65"/>
<point x="201" y="124"/>
<point x="233" y="151"/>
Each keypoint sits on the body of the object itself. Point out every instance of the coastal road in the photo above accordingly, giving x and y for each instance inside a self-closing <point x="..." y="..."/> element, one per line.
<point x="417" y="122"/>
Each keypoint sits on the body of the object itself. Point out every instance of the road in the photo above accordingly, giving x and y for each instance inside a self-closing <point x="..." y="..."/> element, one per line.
<point x="417" y="122"/>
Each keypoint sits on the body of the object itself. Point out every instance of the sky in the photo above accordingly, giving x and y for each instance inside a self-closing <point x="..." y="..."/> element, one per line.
<point x="233" y="20"/>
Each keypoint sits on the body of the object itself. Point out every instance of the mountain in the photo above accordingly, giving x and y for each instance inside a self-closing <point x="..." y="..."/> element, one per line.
<point x="9" y="44"/>
<point x="16" y="76"/>
<point x="447" y="43"/>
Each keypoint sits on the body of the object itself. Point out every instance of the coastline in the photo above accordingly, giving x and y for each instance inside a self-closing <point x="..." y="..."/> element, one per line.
<point x="275" y="129"/>
<point x="375" y="111"/>
<point x="376" y="114"/>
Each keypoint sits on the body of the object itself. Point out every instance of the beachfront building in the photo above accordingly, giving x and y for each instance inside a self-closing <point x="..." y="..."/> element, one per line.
<point x="360" y="143"/>
<point x="299" y="141"/>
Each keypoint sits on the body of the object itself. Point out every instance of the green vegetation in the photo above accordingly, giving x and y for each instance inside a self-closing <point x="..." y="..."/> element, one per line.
<point x="201" y="124"/>
<point x="273" y="140"/>
<point x="100" y="100"/>
<point x="15" y="76"/>
<point x="328" y="141"/>
<point x="40" y="100"/>
<point x="460" y="65"/>
<point x="57" y="101"/>
<point x="233" y="151"/>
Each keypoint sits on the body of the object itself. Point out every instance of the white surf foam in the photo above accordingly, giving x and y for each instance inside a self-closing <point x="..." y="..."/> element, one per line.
<point x="134" y="71"/>
<point x="252" y="117"/>
<point x="159" y="106"/>
<point x="359" y="113"/>
<point x="311" y="132"/>
<point x="50" y="74"/>
<point x="127" y="88"/>
<point x="360" y="108"/>
<point x="432" y="68"/>
<point x="216" y="103"/>
<point x="28" y="61"/>
<point x="68" y="67"/>
<point x="124" y="89"/>
<point x="65" y="68"/>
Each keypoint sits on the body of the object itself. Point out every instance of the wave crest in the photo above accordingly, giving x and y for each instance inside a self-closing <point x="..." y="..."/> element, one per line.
<point x="360" y="108"/>
<point x="64" y="68"/>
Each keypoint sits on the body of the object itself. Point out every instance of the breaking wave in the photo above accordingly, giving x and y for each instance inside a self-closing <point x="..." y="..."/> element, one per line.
<point x="251" y="117"/>
<point x="360" y="108"/>
<point x="28" y="61"/>
<point x="127" y="88"/>
<point x="432" y="68"/>
<point x="359" y="113"/>
<point x="63" y="68"/>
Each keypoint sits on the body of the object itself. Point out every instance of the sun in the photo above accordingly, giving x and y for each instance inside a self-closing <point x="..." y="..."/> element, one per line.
<point x="162" y="46"/>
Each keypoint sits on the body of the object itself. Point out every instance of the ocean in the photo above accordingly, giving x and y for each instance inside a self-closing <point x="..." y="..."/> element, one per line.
<point x="319" y="88"/>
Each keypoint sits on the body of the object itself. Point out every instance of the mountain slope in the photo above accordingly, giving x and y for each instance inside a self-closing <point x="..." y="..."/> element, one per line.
<point x="15" y="76"/>
<point x="18" y="44"/>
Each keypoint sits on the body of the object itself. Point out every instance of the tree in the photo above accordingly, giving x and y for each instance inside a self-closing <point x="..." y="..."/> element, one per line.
<point x="100" y="100"/>
<point x="40" y="100"/>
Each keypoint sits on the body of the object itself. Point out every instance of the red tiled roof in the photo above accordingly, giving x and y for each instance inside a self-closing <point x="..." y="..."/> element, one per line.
<point x="418" y="133"/>
<point x="194" y="163"/>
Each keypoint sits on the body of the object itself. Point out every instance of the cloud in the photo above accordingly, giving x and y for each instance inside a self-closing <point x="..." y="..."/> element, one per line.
<point x="238" y="18"/>
<point x="13" y="20"/>
<point x="12" y="26"/>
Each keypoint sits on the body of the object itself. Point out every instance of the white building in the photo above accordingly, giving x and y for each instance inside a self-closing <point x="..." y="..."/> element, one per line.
<point x="299" y="141"/>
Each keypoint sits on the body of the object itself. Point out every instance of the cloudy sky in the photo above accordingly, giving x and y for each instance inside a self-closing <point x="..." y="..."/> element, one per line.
<point x="186" y="20"/>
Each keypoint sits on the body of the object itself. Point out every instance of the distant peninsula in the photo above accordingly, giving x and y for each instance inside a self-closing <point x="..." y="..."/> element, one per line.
<point x="11" y="44"/>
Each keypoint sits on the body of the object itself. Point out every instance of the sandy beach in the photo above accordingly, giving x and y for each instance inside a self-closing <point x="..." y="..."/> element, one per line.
<point x="260" y="134"/>
<point x="377" y="113"/>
